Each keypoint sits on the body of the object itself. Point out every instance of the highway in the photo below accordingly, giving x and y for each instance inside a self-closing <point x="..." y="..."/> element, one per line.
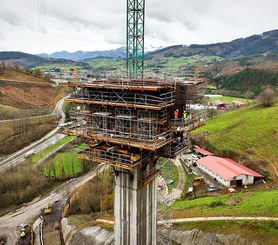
<point x="26" y="214"/>
<point x="49" y="139"/>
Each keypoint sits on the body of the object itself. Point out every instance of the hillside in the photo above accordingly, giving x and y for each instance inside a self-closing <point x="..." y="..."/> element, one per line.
<point x="250" y="46"/>
<point x="13" y="75"/>
<point x="257" y="51"/>
<point x="219" y="59"/>
<point x="28" y="60"/>
<point x="252" y="80"/>
<point x="23" y="95"/>
<point x="22" y="59"/>
<point x="248" y="135"/>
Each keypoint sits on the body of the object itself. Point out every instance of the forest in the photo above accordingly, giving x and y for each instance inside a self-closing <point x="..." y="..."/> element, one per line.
<point x="251" y="80"/>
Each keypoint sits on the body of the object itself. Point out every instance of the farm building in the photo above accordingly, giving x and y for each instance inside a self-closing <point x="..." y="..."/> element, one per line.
<point x="202" y="151"/>
<point x="220" y="104"/>
<point x="228" y="172"/>
<point x="237" y="103"/>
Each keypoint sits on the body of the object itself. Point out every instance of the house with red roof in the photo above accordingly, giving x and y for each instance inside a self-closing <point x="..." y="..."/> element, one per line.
<point x="228" y="172"/>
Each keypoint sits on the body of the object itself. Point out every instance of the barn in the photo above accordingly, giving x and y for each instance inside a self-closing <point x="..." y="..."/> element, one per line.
<point x="228" y="172"/>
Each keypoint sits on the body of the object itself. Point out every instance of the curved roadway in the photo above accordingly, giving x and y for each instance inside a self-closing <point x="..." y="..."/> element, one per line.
<point x="49" y="139"/>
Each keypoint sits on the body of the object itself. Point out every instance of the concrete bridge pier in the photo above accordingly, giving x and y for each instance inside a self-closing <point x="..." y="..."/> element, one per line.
<point x="135" y="206"/>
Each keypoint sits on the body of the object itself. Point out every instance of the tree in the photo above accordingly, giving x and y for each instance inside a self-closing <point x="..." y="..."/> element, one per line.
<point x="3" y="64"/>
<point x="37" y="73"/>
<point x="16" y="67"/>
<point x="249" y="95"/>
<point x="266" y="98"/>
<point x="27" y="70"/>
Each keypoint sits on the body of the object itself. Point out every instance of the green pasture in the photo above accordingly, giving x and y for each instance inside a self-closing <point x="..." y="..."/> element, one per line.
<point x="253" y="203"/>
<point x="65" y="164"/>
<point x="51" y="148"/>
<point x="251" y="130"/>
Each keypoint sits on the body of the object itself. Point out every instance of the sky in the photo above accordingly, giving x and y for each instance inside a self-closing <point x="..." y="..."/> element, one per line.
<point x="47" y="26"/>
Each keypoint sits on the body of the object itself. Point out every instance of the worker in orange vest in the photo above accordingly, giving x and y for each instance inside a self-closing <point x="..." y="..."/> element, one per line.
<point x="176" y="114"/>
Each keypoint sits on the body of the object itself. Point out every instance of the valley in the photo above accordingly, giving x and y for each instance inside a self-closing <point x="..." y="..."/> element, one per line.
<point x="32" y="104"/>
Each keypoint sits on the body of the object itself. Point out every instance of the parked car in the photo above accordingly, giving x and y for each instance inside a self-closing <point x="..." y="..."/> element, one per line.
<point x="194" y="157"/>
<point x="212" y="187"/>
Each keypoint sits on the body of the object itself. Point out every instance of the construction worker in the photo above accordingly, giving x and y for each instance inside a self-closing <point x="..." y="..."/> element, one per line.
<point x="22" y="233"/>
<point x="184" y="115"/>
<point x="176" y="114"/>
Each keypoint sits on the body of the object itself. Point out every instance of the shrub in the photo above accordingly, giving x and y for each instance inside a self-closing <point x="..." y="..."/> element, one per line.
<point x="267" y="97"/>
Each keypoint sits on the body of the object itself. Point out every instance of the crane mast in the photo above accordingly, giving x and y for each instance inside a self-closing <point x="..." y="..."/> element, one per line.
<point x="135" y="38"/>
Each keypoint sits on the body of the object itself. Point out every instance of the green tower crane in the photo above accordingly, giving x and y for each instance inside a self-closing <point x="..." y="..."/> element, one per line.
<point x="135" y="38"/>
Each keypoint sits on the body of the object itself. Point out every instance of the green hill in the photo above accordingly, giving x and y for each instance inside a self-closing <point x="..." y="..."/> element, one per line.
<point x="248" y="135"/>
<point x="251" y="80"/>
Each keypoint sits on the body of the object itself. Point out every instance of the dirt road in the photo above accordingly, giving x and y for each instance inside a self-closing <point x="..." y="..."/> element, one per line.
<point x="26" y="214"/>
<point x="176" y="192"/>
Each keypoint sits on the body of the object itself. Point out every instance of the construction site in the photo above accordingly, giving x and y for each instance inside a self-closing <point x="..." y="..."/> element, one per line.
<point x="128" y="123"/>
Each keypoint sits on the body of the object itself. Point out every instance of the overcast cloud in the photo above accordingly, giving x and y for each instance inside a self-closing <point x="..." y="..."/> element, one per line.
<point x="37" y="26"/>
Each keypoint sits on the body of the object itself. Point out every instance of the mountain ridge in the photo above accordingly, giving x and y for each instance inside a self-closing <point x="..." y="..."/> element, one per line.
<point x="256" y="45"/>
<point x="83" y="55"/>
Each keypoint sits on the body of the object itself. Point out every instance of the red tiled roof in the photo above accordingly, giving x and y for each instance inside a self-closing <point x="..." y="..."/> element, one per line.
<point x="238" y="103"/>
<point x="220" y="102"/>
<point x="202" y="151"/>
<point x="226" y="167"/>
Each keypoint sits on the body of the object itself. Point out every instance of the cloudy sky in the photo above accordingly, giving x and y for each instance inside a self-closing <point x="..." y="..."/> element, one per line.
<point x="37" y="26"/>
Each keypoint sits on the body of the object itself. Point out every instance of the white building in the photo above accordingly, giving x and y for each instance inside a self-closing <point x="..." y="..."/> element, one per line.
<point x="228" y="172"/>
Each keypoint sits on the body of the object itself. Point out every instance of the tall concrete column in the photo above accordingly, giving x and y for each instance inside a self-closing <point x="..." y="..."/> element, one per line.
<point x="135" y="209"/>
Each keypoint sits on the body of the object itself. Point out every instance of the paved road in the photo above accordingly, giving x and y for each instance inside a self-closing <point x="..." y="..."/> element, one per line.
<point x="58" y="111"/>
<point x="27" y="214"/>
<point x="197" y="219"/>
<point x="222" y="218"/>
<point x="20" y="156"/>
<point x="49" y="139"/>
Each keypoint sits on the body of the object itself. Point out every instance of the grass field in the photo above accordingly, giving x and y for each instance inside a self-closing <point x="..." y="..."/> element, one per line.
<point x="8" y="108"/>
<point x="65" y="164"/>
<point x="67" y="67"/>
<point x="172" y="63"/>
<point x="256" y="203"/>
<point x="7" y="112"/>
<point x="107" y="64"/>
<point x="251" y="132"/>
<point x="51" y="148"/>
<point x="101" y="65"/>
<point x="168" y="64"/>
<point x="229" y="99"/>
